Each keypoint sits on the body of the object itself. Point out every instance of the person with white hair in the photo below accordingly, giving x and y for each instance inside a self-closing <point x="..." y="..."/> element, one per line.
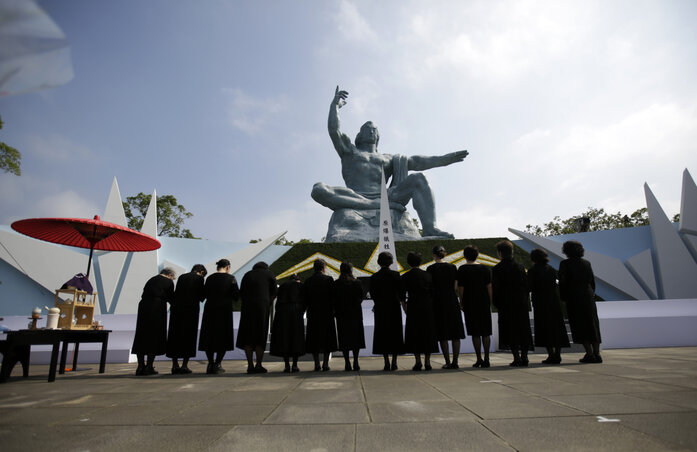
<point x="151" y="325"/>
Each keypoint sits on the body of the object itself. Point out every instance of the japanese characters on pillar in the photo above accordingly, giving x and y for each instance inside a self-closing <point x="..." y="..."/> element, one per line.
<point x="386" y="242"/>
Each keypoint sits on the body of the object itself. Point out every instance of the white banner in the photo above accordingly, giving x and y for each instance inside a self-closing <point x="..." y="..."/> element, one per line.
<point x="385" y="235"/>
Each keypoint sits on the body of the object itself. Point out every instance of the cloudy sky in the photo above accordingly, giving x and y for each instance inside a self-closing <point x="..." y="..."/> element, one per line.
<point x="562" y="105"/>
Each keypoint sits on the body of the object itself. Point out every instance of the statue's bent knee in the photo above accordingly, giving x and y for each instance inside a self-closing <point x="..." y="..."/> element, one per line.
<point x="319" y="192"/>
<point x="420" y="180"/>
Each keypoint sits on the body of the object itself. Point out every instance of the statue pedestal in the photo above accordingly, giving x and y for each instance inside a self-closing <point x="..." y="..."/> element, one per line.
<point x="348" y="225"/>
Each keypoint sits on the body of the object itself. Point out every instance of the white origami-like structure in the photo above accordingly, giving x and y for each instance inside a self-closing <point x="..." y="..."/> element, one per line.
<point x="664" y="268"/>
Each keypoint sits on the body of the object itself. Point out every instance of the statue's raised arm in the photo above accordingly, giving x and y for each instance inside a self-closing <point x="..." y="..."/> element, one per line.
<point x="342" y="143"/>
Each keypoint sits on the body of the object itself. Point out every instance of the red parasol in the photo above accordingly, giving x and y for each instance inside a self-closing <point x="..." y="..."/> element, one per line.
<point x="94" y="234"/>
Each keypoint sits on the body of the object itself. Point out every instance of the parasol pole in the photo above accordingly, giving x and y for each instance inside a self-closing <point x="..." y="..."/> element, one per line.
<point x="89" y="262"/>
<point x="92" y="243"/>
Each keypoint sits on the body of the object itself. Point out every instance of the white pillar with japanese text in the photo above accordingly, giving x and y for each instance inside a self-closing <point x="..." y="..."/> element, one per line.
<point x="386" y="237"/>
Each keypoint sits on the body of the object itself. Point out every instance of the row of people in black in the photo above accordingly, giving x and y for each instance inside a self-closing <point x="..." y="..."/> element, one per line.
<point x="335" y="320"/>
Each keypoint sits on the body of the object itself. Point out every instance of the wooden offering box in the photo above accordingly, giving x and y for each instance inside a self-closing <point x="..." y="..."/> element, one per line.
<point x="75" y="304"/>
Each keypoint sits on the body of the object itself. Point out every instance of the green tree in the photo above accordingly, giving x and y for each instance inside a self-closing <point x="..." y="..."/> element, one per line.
<point x="170" y="214"/>
<point x="599" y="220"/>
<point x="284" y="241"/>
<point x="10" y="158"/>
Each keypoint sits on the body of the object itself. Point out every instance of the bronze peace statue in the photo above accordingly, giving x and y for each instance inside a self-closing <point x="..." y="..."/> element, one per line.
<point x="357" y="206"/>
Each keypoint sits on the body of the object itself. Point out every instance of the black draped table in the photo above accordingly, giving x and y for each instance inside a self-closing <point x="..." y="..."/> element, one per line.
<point x="16" y="348"/>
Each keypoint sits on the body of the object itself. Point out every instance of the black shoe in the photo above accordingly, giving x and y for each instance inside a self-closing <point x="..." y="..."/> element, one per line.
<point x="486" y="364"/>
<point x="260" y="369"/>
<point x="428" y="367"/>
<point x="294" y="368"/>
<point x="514" y="363"/>
<point x="219" y="369"/>
<point x="446" y="366"/>
<point x="386" y="368"/>
<point x="417" y="367"/>
<point x="587" y="359"/>
<point x="524" y="363"/>
<point x="356" y="367"/>
<point x="185" y="370"/>
<point x="210" y="369"/>
<point x="286" y="370"/>
<point x="139" y="371"/>
<point x="251" y="370"/>
<point x="326" y="368"/>
<point x="598" y="359"/>
<point x="149" y="370"/>
<point x="318" y="367"/>
<point x="454" y="365"/>
<point x="394" y="366"/>
<point x="176" y="370"/>
<point x="347" y="368"/>
<point x="479" y="363"/>
<point x="552" y="360"/>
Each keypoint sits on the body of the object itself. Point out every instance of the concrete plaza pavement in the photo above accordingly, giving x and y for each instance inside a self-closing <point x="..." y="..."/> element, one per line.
<point x="638" y="399"/>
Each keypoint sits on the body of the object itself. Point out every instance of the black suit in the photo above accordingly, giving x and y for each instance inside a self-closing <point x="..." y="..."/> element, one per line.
<point x="321" y="331"/>
<point x="387" y="293"/>
<point x="577" y="288"/>
<point x="509" y="285"/>
<point x="151" y="324"/>
<point x="217" y="331"/>
<point x="258" y="291"/>
<point x="183" y="316"/>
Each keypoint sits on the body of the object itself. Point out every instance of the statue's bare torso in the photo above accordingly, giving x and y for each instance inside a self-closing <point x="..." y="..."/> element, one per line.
<point x="361" y="171"/>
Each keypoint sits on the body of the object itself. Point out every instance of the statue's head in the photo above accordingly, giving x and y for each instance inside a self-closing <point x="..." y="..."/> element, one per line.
<point x="367" y="134"/>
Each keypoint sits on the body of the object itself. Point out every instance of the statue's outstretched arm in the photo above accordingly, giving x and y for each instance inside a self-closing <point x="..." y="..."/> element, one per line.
<point x="424" y="162"/>
<point x="341" y="142"/>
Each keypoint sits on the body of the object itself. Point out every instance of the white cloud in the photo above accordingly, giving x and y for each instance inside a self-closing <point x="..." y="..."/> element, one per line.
<point x="605" y="166"/>
<point x="30" y="197"/>
<point x="250" y="114"/>
<point x="59" y="148"/>
<point x="352" y="25"/>
<point x="479" y="221"/>
<point x="491" y="43"/>
<point x="365" y="101"/>
<point x="309" y="220"/>
<point x="66" y="204"/>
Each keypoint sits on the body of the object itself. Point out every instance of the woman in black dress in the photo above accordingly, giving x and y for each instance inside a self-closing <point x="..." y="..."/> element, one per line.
<point x="510" y="296"/>
<point x="347" y="295"/>
<point x="448" y="316"/>
<point x="151" y="324"/>
<point x="474" y="283"/>
<point x="183" y="318"/>
<point x="577" y="288"/>
<point x="258" y="290"/>
<point x="421" y="329"/>
<point x="321" y="331"/>
<point x="217" y="333"/>
<point x="550" y="331"/>
<point x="288" y="329"/>
<point x="388" y="296"/>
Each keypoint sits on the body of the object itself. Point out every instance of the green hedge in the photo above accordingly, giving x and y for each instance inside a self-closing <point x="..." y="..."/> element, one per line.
<point x="359" y="253"/>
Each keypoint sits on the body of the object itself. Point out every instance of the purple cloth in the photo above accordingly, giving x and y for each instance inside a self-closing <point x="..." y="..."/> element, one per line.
<point x="80" y="282"/>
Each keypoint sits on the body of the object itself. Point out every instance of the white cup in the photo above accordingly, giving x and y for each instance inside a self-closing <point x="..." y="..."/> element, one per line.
<point x="52" y="320"/>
